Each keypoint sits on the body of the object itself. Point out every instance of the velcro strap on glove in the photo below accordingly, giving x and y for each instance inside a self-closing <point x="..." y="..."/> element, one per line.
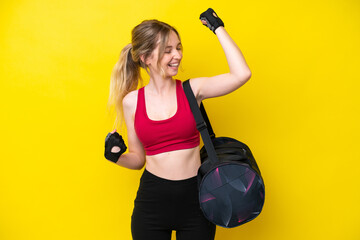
<point x="212" y="20"/>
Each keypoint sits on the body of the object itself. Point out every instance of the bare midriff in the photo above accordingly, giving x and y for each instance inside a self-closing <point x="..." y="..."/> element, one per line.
<point x="175" y="165"/>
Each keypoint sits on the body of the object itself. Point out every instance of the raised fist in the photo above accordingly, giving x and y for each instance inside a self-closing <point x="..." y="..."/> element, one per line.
<point x="114" y="146"/>
<point x="210" y="19"/>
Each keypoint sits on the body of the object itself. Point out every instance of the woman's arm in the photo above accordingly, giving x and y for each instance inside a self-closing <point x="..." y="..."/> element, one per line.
<point x="239" y="74"/>
<point x="135" y="158"/>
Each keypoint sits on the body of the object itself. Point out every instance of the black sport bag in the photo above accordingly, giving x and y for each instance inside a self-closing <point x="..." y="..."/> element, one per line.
<point x="231" y="189"/>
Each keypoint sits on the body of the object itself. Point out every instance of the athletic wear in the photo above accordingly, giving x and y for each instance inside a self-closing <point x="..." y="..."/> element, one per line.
<point x="212" y="20"/>
<point x="175" y="133"/>
<point x="114" y="140"/>
<point x="164" y="205"/>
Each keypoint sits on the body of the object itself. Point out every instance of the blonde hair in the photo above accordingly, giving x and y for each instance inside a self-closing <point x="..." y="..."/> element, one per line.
<point x="126" y="76"/>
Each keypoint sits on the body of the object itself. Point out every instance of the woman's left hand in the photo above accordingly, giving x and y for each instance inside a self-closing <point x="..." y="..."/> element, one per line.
<point x="210" y="19"/>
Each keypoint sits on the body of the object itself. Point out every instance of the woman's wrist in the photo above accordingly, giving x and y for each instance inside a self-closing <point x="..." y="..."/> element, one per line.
<point x="219" y="29"/>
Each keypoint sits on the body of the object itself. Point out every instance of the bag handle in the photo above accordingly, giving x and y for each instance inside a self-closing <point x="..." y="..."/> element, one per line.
<point x="204" y="127"/>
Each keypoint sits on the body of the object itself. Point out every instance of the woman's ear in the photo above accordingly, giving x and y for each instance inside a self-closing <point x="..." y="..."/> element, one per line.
<point x="142" y="58"/>
<point x="147" y="60"/>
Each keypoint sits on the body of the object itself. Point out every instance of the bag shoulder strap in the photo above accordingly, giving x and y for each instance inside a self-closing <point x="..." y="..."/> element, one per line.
<point x="207" y="121"/>
<point x="201" y="125"/>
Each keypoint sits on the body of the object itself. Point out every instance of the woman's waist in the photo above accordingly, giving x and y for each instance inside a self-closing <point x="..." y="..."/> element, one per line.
<point x="157" y="193"/>
<point x="175" y="165"/>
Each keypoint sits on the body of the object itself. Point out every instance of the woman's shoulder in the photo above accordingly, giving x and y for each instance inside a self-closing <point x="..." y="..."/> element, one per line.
<point x="130" y="100"/>
<point x="195" y="84"/>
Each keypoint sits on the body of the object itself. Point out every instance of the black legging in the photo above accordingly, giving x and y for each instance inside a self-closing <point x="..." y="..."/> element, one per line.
<point x="164" y="205"/>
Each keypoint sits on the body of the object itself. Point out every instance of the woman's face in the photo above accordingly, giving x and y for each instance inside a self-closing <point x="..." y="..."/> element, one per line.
<point x="171" y="59"/>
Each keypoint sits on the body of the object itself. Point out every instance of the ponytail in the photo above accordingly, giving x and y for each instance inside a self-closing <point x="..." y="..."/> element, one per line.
<point x="124" y="78"/>
<point x="126" y="75"/>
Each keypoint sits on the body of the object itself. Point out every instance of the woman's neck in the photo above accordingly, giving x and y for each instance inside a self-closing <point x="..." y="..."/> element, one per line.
<point x="161" y="86"/>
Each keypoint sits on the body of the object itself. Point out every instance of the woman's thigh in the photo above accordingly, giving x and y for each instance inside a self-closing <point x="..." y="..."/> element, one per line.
<point x="164" y="205"/>
<point x="142" y="228"/>
<point x="191" y="222"/>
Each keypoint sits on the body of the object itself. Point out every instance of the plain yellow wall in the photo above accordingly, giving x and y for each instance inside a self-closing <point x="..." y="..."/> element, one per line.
<point x="299" y="113"/>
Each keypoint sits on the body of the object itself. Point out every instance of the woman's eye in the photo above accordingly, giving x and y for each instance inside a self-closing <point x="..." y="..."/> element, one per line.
<point x="178" y="48"/>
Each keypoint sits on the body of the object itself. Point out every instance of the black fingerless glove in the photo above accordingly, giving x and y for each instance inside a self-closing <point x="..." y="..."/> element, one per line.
<point x="114" y="140"/>
<point x="212" y="20"/>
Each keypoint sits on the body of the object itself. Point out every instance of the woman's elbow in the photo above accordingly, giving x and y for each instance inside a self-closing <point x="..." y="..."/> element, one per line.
<point x="140" y="166"/>
<point x="140" y="163"/>
<point x="243" y="78"/>
<point x="247" y="76"/>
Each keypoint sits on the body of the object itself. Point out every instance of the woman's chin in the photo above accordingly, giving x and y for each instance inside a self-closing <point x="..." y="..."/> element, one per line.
<point x="172" y="73"/>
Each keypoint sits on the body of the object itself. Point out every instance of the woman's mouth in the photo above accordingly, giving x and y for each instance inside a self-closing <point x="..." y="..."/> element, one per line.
<point x="173" y="65"/>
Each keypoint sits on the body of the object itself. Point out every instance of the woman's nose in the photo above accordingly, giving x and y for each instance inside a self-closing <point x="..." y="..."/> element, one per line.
<point x="178" y="54"/>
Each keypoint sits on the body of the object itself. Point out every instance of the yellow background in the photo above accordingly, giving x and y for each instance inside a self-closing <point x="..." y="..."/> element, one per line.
<point x="299" y="113"/>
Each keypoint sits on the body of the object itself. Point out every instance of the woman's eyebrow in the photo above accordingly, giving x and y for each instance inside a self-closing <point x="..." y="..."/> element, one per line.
<point x="171" y="46"/>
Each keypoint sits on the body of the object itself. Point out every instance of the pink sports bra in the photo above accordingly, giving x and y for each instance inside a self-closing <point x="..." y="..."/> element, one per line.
<point x="175" y="133"/>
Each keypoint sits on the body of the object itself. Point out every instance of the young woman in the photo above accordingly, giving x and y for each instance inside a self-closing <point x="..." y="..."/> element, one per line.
<point x="161" y="129"/>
